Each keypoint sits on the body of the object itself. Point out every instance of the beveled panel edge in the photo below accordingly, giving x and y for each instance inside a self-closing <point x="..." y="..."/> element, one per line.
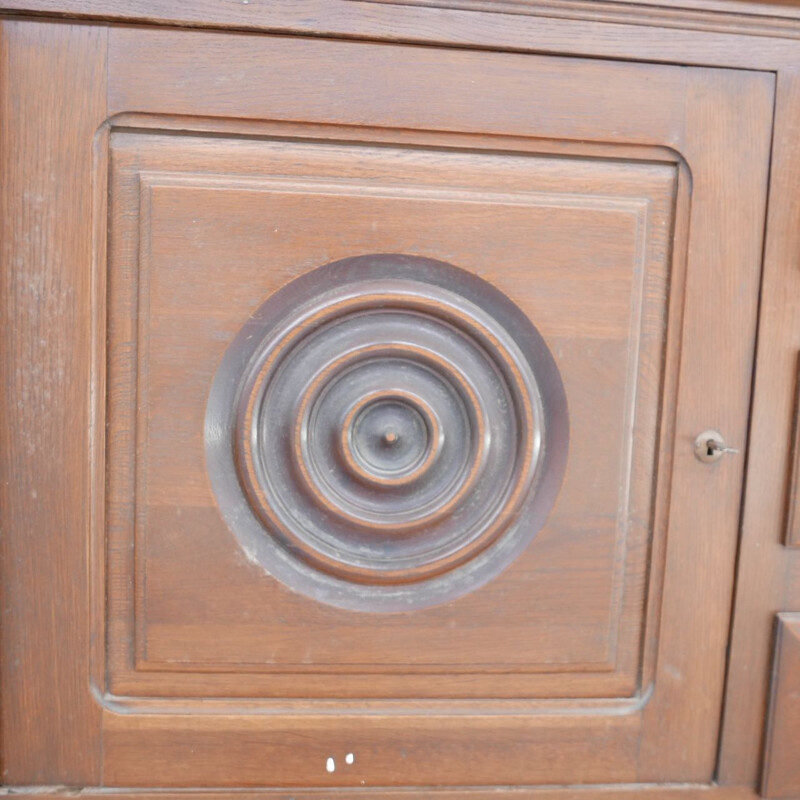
<point x="349" y="707"/>
<point x="355" y="17"/>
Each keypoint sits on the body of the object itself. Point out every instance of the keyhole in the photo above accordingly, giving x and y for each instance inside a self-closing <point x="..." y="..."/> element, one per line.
<point x="709" y="446"/>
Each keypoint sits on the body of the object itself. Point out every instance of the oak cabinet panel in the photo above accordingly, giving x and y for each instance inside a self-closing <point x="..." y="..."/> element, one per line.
<point x="391" y="395"/>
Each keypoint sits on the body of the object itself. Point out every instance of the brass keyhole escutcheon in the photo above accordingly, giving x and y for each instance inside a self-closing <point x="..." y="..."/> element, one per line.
<point x="710" y="446"/>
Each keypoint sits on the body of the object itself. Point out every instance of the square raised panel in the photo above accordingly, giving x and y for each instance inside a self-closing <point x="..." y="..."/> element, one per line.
<point x="202" y="231"/>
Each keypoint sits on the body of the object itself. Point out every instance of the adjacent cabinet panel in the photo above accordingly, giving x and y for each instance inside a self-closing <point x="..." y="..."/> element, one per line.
<point x="782" y="762"/>
<point x="393" y="362"/>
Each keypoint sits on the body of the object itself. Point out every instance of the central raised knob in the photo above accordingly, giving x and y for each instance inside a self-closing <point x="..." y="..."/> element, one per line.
<point x="390" y="438"/>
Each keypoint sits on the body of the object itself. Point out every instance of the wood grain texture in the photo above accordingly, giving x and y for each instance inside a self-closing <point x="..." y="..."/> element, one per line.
<point x="769" y="572"/>
<point x="696" y="667"/>
<point x="293" y="75"/>
<point x="781" y="763"/>
<point x="419" y="18"/>
<point x="53" y="99"/>
<point x="725" y="33"/>
<point x="720" y="121"/>
<point x="422" y="748"/>
<point x="634" y="791"/>
<point x="761" y="8"/>
<point x="769" y="581"/>
<point x="720" y="46"/>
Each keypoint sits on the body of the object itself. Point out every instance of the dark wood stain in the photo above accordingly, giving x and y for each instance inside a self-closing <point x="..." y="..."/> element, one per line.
<point x="598" y="611"/>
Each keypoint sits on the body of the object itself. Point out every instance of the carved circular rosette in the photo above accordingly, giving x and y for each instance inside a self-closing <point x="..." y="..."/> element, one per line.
<point x="386" y="432"/>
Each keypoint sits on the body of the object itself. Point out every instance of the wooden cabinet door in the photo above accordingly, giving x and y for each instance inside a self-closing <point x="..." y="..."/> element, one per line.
<point x="350" y="400"/>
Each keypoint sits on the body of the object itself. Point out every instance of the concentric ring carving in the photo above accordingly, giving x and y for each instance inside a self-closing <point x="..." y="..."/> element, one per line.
<point x="386" y="432"/>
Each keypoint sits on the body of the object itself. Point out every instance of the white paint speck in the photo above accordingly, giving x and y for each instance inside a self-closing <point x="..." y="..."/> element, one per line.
<point x="250" y="555"/>
<point x="349" y="758"/>
<point x="330" y="765"/>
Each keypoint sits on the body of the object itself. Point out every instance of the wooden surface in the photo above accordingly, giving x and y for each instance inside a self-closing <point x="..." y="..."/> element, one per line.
<point x="769" y="573"/>
<point x="618" y="792"/>
<point x="421" y="18"/>
<point x="699" y="665"/>
<point x="711" y="32"/>
<point x="793" y="500"/>
<point x="166" y="73"/>
<point x="615" y="287"/>
<point x="781" y="764"/>
<point x="51" y="110"/>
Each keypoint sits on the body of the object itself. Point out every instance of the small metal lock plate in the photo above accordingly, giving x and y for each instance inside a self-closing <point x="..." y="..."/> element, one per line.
<point x="709" y="446"/>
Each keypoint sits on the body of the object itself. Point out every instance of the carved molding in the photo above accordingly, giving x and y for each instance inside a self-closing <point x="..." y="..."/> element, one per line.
<point x="756" y="19"/>
<point x="386" y="432"/>
<point x="780" y="20"/>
